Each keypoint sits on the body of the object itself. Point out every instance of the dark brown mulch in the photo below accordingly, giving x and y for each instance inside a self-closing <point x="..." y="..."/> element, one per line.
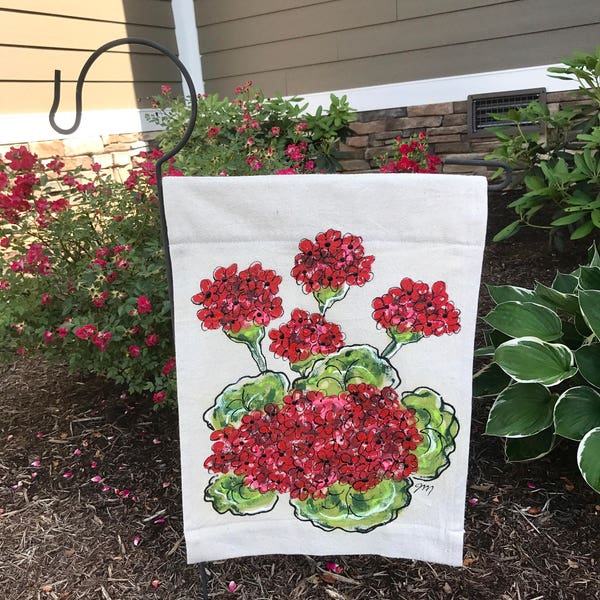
<point x="531" y="529"/>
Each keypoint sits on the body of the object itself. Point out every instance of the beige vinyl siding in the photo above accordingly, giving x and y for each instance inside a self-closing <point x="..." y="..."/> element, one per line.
<point x="318" y="46"/>
<point x="38" y="37"/>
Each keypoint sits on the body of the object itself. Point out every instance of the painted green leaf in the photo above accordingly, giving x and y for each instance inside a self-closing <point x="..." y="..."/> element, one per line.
<point x="588" y="361"/>
<point x="439" y="427"/>
<point x="589" y="302"/>
<point x="490" y="381"/>
<point x="530" y="448"/>
<point x="560" y="300"/>
<point x="589" y="278"/>
<point x="521" y="410"/>
<point x="576" y="412"/>
<point x="587" y="458"/>
<point x="244" y="396"/>
<point x="327" y="296"/>
<point x="345" y="508"/>
<point x="227" y="493"/>
<point x="351" y="365"/>
<point x="531" y="360"/>
<point x="519" y="319"/>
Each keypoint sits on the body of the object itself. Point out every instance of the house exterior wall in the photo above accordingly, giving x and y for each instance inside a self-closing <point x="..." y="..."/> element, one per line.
<point x="38" y="37"/>
<point x="34" y="43"/>
<point x="305" y="46"/>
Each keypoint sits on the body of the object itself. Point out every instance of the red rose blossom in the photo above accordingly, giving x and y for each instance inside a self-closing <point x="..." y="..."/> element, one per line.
<point x="144" y="305"/>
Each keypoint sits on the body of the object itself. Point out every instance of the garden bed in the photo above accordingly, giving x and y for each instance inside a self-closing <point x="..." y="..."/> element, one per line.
<point x="90" y="503"/>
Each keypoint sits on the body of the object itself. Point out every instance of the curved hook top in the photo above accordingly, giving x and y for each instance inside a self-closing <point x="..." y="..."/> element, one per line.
<point x="81" y="80"/>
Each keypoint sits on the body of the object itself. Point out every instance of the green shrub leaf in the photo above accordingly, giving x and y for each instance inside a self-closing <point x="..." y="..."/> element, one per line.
<point x="489" y="381"/>
<point x="587" y="458"/>
<point x="589" y="302"/>
<point x="438" y="425"/>
<point x="531" y="360"/>
<point x="589" y="278"/>
<point x="530" y="448"/>
<point x="583" y="230"/>
<point x="350" y="365"/>
<point x="587" y="359"/>
<point x="519" y="319"/>
<point x="559" y="300"/>
<point x="576" y="412"/>
<point x="509" y="293"/>
<point x="244" y="396"/>
<point x="507" y="231"/>
<point x="350" y="510"/>
<point x="521" y="410"/>
<point x="565" y="283"/>
<point x="227" y="493"/>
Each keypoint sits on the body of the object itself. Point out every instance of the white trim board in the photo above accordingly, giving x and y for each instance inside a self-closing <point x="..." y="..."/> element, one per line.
<point x="441" y="89"/>
<point x="35" y="127"/>
<point x="20" y="128"/>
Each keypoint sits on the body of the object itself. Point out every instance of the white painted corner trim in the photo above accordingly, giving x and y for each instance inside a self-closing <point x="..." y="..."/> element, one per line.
<point x="35" y="127"/>
<point x="441" y="89"/>
<point x="186" y="33"/>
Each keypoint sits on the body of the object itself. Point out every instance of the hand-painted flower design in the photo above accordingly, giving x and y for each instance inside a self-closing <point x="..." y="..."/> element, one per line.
<point x="359" y="437"/>
<point x="234" y="301"/>
<point x="331" y="263"/>
<point x="304" y="338"/>
<point x="242" y="304"/>
<point x="413" y="311"/>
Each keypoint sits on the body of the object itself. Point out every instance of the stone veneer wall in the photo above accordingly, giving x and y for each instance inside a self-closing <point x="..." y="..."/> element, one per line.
<point x="113" y="152"/>
<point x="445" y="124"/>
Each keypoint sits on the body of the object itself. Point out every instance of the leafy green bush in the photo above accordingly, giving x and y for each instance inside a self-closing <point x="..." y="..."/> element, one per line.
<point x="253" y="135"/>
<point x="82" y="275"/>
<point x="560" y="162"/>
<point x="545" y="368"/>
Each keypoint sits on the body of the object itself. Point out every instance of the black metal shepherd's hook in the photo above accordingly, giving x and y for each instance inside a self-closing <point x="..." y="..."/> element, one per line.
<point x="159" y="163"/>
<point x="165" y="157"/>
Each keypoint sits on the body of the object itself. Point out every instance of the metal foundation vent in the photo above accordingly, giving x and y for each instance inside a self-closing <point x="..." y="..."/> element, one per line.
<point x="481" y="106"/>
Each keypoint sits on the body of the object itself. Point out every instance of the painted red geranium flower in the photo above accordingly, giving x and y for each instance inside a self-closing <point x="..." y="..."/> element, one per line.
<point x="332" y="260"/>
<point x="414" y="309"/>
<point x="236" y="301"/>
<point x="358" y="437"/>
<point x="305" y="335"/>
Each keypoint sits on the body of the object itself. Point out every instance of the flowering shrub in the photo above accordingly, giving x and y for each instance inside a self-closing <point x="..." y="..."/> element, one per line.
<point x="339" y="439"/>
<point x="82" y="277"/>
<point x="252" y="134"/>
<point x="410" y="156"/>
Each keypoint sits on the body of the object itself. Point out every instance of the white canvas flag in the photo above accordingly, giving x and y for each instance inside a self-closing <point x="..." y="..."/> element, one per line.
<point x="324" y="329"/>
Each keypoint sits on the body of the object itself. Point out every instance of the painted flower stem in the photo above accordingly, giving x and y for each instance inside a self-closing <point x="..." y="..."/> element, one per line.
<point x="252" y="337"/>
<point x="399" y="340"/>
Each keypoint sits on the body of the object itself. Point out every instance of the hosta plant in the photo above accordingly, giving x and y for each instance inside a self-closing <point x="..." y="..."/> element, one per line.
<point x="545" y="367"/>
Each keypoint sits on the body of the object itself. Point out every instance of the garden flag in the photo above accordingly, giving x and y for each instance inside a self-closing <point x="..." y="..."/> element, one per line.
<point x="324" y="329"/>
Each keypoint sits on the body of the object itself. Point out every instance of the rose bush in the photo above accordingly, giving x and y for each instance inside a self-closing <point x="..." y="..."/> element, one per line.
<point x="82" y="276"/>
<point x="252" y="134"/>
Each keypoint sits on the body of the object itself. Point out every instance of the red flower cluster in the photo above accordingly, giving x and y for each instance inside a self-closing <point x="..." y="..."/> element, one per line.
<point x="34" y="261"/>
<point x="331" y="261"/>
<point x="144" y="169"/>
<point x="235" y="300"/>
<point x="412" y="157"/>
<point x="305" y="335"/>
<point x="359" y="438"/>
<point x="100" y="339"/>
<point x="413" y="307"/>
